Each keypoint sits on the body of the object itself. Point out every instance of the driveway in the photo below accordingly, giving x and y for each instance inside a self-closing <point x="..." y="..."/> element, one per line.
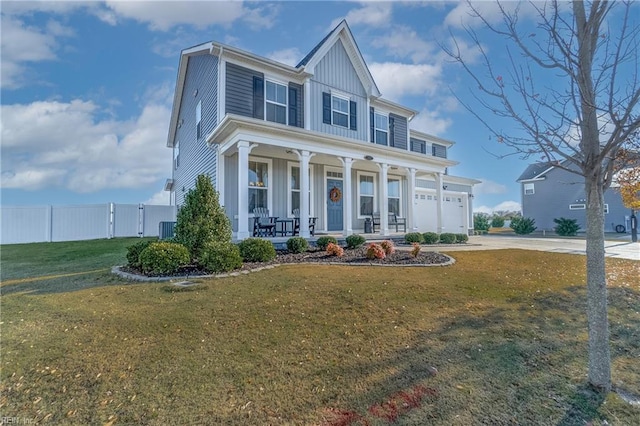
<point x="623" y="249"/>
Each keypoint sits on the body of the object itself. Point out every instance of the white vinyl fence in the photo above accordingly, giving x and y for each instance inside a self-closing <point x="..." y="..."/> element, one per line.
<point x="30" y="224"/>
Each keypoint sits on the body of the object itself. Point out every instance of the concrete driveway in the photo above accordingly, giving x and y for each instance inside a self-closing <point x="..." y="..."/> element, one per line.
<point x="623" y="249"/>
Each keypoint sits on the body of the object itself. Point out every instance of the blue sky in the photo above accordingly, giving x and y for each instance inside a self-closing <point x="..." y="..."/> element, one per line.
<point x="87" y="86"/>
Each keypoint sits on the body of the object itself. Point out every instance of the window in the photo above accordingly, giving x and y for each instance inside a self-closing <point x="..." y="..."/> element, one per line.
<point x="276" y="102"/>
<point x="606" y="208"/>
<point x="577" y="206"/>
<point x="366" y="194"/>
<point x="199" y="120"/>
<point x="294" y="188"/>
<point x="258" y="184"/>
<point x="340" y="111"/>
<point x="418" y="145"/>
<point x="529" y="189"/>
<point x="381" y="123"/>
<point x="393" y="196"/>
<point x="176" y="155"/>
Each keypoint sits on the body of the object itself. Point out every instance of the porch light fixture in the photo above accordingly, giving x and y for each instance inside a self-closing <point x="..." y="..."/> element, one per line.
<point x="471" y="196"/>
<point x="444" y="187"/>
<point x="368" y="157"/>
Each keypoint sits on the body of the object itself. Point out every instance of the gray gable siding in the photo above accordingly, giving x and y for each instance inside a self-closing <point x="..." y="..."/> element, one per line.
<point x="335" y="72"/>
<point x="399" y="137"/>
<point x="239" y="90"/>
<point x="201" y="85"/>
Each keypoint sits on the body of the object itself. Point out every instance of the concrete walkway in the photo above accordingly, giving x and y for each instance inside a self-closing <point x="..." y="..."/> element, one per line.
<point x="623" y="249"/>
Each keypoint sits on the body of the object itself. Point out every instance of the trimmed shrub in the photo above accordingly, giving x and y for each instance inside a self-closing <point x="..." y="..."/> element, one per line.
<point x="566" y="227"/>
<point x="335" y="250"/>
<point x="523" y="225"/>
<point x="201" y="219"/>
<point x="374" y="251"/>
<point x="133" y="253"/>
<point x="413" y="237"/>
<point x="220" y="256"/>
<point x="481" y="221"/>
<point x="297" y="245"/>
<point x="324" y="241"/>
<point x="415" y="250"/>
<point x="257" y="250"/>
<point x="163" y="258"/>
<point x="388" y="247"/>
<point x="497" y="222"/>
<point x="462" y="238"/>
<point x="447" y="238"/>
<point x="430" y="237"/>
<point x="355" y="241"/>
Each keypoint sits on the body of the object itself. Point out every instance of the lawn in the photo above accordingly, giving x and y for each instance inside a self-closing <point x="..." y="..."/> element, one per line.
<point x="497" y="338"/>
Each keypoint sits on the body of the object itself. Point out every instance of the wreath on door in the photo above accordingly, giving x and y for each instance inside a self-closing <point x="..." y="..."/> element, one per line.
<point x="335" y="195"/>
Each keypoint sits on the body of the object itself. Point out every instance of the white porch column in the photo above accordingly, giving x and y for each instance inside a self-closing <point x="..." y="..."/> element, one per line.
<point x="304" y="156"/>
<point x="244" y="148"/>
<point x="220" y="175"/>
<point x="347" y="198"/>
<point x="384" y="197"/>
<point x="411" y="218"/>
<point x="439" y="202"/>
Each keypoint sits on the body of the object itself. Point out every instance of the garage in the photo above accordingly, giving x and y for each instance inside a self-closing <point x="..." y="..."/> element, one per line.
<point x="454" y="212"/>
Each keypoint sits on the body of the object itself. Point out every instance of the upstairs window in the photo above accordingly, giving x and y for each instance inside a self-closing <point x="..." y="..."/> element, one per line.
<point x="381" y="128"/>
<point x="529" y="189"/>
<point x="340" y="111"/>
<point x="276" y="102"/>
<point x="199" y="120"/>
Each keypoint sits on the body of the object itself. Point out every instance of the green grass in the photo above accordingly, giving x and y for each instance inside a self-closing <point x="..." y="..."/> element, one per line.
<point x="316" y="344"/>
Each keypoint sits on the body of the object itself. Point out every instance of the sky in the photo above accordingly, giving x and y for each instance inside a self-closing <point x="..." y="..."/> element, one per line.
<point x="87" y="87"/>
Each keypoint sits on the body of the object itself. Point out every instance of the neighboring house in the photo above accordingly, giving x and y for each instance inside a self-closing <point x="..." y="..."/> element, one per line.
<point x="317" y="137"/>
<point x="549" y="192"/>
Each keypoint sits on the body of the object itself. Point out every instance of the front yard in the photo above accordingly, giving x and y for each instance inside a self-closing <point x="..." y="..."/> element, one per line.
<point x="497" y="338"/>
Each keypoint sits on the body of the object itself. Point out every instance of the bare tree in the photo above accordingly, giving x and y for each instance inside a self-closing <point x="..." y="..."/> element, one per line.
<point x="577" y="116"/>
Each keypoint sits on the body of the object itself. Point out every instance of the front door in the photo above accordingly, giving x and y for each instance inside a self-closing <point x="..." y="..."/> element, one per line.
<point x="334" y="205"/>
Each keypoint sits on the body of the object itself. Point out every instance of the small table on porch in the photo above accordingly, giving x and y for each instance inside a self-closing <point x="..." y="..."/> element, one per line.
<point x="284" y="227"/>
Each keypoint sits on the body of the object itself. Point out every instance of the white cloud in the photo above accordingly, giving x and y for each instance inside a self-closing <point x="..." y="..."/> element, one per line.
<point x="431" y="122"/>
<point x="160" y="198"/>
<point x="417" y="79"/>
<point x="511" y="206"/>
<point x="290" y="56"/>
<point x="375" y="14"/>
<point x="462" y="15"/>
<point x="63" y="144"/>
<point x="404" y="42"/>
<point x="489" y="187"/>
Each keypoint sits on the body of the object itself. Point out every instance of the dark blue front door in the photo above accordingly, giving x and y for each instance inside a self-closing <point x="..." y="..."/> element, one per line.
<point x="334" y="204"/>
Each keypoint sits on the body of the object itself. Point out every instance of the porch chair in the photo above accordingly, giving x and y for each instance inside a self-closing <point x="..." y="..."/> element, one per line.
<point x="296" y="223"/>
<point x="375" y="221"/>
<point x="263" y="224"/>
<point x="398" y="221"/>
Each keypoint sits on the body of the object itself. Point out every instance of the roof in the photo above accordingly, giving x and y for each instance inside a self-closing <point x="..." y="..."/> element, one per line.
<point x="535" y="170"/>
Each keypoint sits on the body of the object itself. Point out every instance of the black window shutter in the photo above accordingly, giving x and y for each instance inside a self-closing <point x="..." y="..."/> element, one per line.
<point x="326" y="108"/>
<point x="392" y="134"/>
<point x="293" y="106"/>
<point x="353" y="115"/>
<point x="372" y="124"/>
<point x="258" y="98"/>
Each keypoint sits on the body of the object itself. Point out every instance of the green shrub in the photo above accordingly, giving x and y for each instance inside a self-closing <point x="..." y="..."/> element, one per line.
<point x="497" y="222"/>
<point x="566" y="227"/>
<point x="201" y="219"/>
<point x="355" y="241"/>
<point x="481" y="221"/>
<point x="462" y="238"/>
<point x="133" y="253"/>
<point x="430" y="237"/>
<point x="447" y="238"/>
<point x="413" y="237"/>
<point x="297" y="245"/>
<point x="257" y="250"/>
<point x="523" y="225"/>
<point x="163" y="258"/>
<point x="220" y="256"/>
<point x="323" y="242"/>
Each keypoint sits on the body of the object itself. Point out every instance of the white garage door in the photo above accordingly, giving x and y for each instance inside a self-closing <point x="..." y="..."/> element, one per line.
<point x="454" y="212"/>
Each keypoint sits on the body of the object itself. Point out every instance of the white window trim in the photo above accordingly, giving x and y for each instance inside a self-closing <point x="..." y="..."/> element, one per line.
<point x="344" y="98"/>
<point x="290" y="166"/>
<point x="176" y="155"/>
<point x="376" y="129"/>
<point x="399" y="197"/>
<point x="375" y="192"/>
<point x="606" y="209"/>
<point x="529" y="189"/>
<point x="285" y="105"/>
<point x="577" y="206"/>
<point x="269" y="163"/>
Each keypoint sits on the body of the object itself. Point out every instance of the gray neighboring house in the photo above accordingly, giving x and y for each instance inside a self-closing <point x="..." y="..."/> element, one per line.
<point x="318" y="138"/>
<point x="549" y="192"/>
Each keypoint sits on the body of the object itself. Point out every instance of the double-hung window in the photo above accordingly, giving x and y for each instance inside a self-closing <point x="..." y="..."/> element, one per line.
<point x="381" y="128"/>
<point x="294" y="188"/>
<point x="366" y="194"/>
<point x="529" y="189"/>
<point x="276" y="102"/>
<point x="176" y="155"/>
<point x="393" y="195"/>
<point x="258" y="184"/>
<point x="340" y="111"/>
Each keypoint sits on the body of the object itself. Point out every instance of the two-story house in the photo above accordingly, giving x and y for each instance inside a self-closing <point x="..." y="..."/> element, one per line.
<point x="317" y="138"/>
<point x="549" y="192"/>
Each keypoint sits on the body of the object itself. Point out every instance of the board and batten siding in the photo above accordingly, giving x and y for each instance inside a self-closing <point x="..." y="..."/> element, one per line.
<point x="335" y="72"/>
<point x="201" y="85"/>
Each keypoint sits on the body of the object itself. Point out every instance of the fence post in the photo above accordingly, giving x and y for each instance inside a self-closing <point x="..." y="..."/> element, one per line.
<point x="140" y="220"/>
<point x="111" y="225"/>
